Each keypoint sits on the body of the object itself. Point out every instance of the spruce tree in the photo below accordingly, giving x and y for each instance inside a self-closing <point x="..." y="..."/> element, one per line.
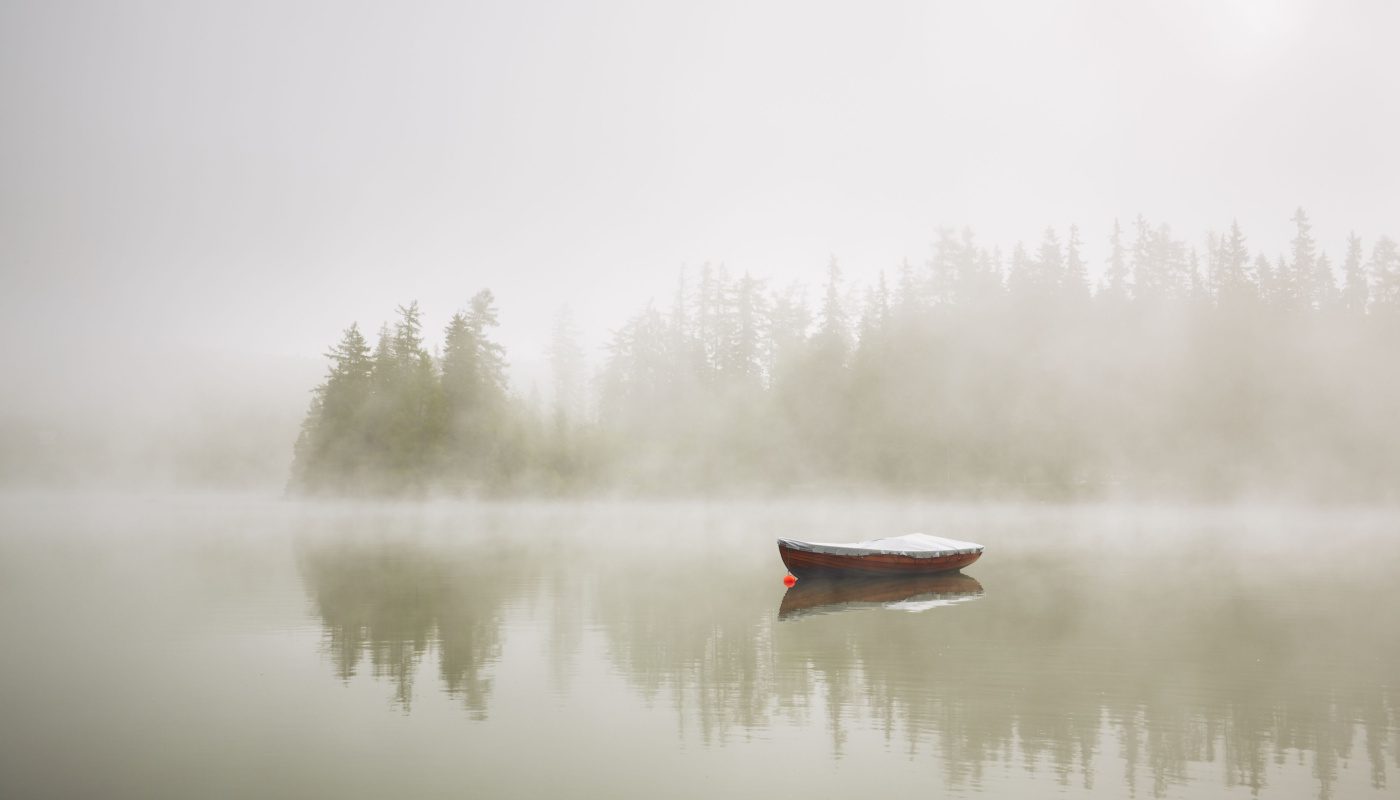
<point x="1074" y="283"/>
<point x="1301" y="287"/>
<point x="1324" y="283"/>
<point x="952" y="268"/>
<point x="566" y="366"/>
<point x="1385" y="274"/>
<point x="1197" y="288"/>
<point x="875" y="315"/>
<point x="1145" y="282"/>
<point x="1117" y="278"/>
<point x="910" y="299"/>
<point x="833" y="338"/>
<point x="1021" y="282"/>
<point x="1231" y="279"/>
<point x="1268" y="280"/>
<point x="1356" y="293"/>
<point x="331" y="450"/>
<point x="482" y="317"/>
<point x="460" y="389"/>
<point x="473" y="391"/>
<point x="1049" y="264"/>
<point x="401" y="416"/>
<point x="789" y="323"/>
<point x="1159" y="263"/>
<point x="744" y="356"/>
<point x="725" y="325"/>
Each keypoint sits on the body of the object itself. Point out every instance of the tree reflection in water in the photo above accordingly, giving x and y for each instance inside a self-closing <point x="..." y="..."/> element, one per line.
<point x="1066" y="664"/>
<point x="390" y="601"/>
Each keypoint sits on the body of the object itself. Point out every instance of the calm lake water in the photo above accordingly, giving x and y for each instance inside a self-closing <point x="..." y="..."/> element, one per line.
<point x="243" y="647"/>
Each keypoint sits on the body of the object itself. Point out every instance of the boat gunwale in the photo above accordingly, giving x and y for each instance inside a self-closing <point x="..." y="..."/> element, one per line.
<point x="806" y="562"/>
<point x="856" y="550"/>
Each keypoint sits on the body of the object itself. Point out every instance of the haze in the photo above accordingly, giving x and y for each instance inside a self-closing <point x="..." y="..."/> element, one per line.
<point x="405" y="398"/>
<point x="225" y="186"/>
<point x="251" y="175"/>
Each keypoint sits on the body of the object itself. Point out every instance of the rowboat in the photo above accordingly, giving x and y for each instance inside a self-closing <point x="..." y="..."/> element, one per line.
<point x="911" y="554"/>
<point x="910" y="593"/>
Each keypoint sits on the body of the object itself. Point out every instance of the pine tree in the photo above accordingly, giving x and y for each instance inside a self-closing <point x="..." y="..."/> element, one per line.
<point x="635" y="386"/>
<point x="725" y="328"/>
<point x="459" y="367"/>
<point x="707" y="301"/>
<point x="382" y="361"/>
<point x="461" y="381"/>
<point x="833" y="331"/>
<point x="990" y="282"/>
<point x="491" y="356"/>
<point x="306" y="472"/>
<point x="1285" y="290"/>
<point x="743" y="352"/>
<point x="566" y="367"/>
<point x="1021" y="282"/>
<point x="910" y="299"/>
<point x="789" y="323"/>
<point x="1268" y="280"/>
<point x="348" y="384"/>
<point x="966" y="267"/>
<point x="473" y="417"/>
<point x="1301" y="288"/>
<point x="1075" y="281"/>
<point x="1144" y="272"/>
<point x="331" y="449"/>
<point x="1385" y="274"/>
<point x="1117" y="278"/>
<point x="1231" y="280"/>
<point x="1049" y="264"/>
<point x="1324" y="282"/>
<point x="875" y="316"/>
<point x="682" y="333"/>
<point x="943" y="279"/>
<point x="679" y="323"/>
<point x="1356" y="294"/>
<point x="406" y="406"/>
<point x="1197" y="289"/>
<point x="953" y="267"/>
<point x="1159" y="263"/>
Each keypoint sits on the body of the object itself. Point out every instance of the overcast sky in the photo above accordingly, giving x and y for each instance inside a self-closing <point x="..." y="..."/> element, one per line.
<point x="249" y="177"/>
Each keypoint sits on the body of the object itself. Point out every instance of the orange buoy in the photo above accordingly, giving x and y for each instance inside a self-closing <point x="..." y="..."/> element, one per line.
<point x="789" y="580"/>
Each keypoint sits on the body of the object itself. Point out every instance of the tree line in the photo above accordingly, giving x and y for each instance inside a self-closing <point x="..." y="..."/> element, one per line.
<point x="1213" y="373"/>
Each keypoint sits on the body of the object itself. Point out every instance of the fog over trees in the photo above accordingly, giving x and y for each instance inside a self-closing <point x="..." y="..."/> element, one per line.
<point x="1207" y="372"/>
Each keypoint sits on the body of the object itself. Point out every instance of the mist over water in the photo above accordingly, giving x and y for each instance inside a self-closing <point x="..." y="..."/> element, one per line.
<point x="963" y="377"/>
<point x="184" y="233"/>
<point x="223" y="648"/>
<point x="404" y="399"/>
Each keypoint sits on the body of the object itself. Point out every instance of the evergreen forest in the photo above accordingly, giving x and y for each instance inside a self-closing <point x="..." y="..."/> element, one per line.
<point x="1209" y="372"/>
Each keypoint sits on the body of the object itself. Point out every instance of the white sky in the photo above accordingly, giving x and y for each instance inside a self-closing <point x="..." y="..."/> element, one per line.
<point x="249" y="177"/>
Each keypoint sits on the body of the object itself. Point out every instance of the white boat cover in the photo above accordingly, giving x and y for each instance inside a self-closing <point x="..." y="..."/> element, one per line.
<point x="917" y="545"/>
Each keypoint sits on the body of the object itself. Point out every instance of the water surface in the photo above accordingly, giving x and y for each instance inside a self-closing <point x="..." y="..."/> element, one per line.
<point x="231" y="647"/>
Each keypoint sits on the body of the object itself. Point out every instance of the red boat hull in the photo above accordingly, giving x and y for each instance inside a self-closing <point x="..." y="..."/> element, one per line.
<point x="804" y="562"/>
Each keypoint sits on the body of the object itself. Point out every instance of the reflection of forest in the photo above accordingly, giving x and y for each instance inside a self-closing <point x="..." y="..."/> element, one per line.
<point x="1053" y="669"/>
<point x="389" y="602"/>
<point x="1145" y="673"/>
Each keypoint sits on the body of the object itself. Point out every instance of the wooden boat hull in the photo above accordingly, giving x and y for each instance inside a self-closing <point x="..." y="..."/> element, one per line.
<point x="804" y="563"/>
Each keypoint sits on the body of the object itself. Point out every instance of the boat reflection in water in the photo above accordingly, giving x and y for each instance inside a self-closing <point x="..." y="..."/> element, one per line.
<point x="825" y="594"/>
